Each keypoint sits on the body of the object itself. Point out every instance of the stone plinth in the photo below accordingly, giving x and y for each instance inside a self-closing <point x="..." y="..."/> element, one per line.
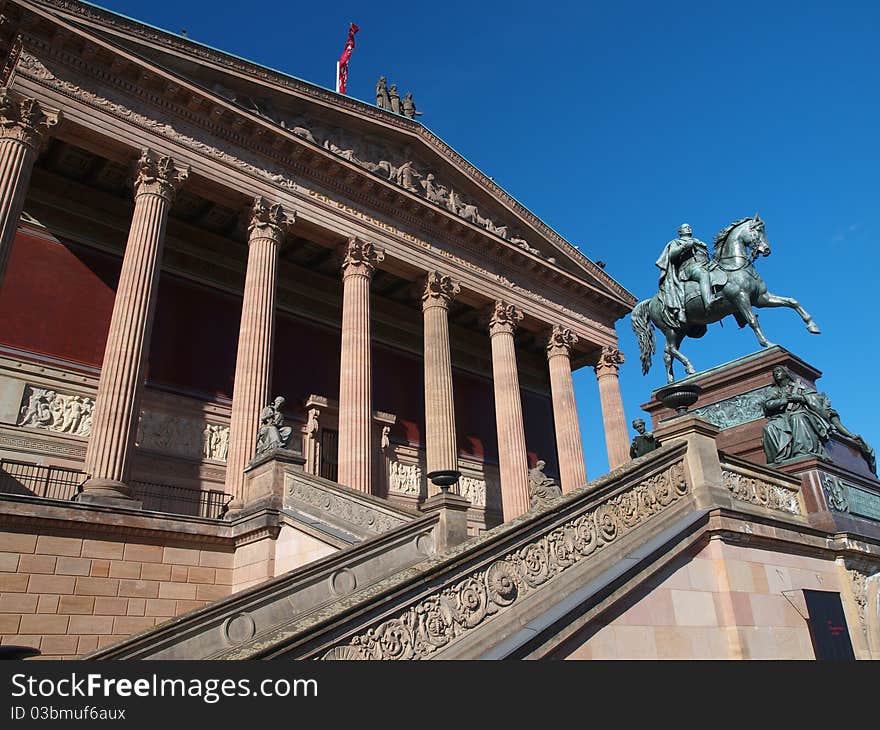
<point x="731" y="398"/>
<point x="839" y="494"/>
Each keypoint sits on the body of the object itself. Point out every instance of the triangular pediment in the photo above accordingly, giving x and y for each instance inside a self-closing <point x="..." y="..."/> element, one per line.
<point x="396" y="149"/>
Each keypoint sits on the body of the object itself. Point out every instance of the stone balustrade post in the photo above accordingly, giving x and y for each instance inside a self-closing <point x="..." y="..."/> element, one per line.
<point x="513" y="462"/>
<point x="572" y="468"/>
<point x="440" y="438"/>
<point x="613" y="417"/>
<point x="117" y="404"/>
<point x="256" y="337"/>
<point x="355" y="461"/>
<point x="24" y="128"/>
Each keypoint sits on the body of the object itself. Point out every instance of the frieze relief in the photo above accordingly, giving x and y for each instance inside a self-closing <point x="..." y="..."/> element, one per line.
<point x="185" y="437"/>
<point x="739" y="409"/>
<point x="762" y="493"/>
<point x="474" y="490"/>
<point x="859" y="571"/>
<point x="835" y="493"/>
<point x="405" y="478"/>
<point x="435" y="620"/>
<point x="47" y="409"/>
<point x="60" y="412"/>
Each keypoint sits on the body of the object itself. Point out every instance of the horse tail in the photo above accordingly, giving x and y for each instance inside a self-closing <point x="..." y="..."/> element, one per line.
<point x="640" y="319"/>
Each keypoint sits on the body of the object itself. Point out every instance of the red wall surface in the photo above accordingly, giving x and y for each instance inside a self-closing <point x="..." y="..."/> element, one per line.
<point x="57" y="299"/>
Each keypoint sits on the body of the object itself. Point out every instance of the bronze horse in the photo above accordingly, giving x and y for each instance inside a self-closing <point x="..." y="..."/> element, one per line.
<point x="732" y="269"/>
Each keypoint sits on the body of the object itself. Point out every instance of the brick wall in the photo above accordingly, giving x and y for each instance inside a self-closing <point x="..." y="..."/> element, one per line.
<point x="68" y="596"/>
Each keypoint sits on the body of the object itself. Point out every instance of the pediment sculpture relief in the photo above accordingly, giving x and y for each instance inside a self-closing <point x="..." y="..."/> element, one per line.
<point x="388" y="163"/>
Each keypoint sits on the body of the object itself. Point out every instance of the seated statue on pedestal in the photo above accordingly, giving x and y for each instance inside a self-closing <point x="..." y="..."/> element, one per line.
<point x="273" y="434"/>
<point x="800" y="422"/>
<point x="541" y="487"/>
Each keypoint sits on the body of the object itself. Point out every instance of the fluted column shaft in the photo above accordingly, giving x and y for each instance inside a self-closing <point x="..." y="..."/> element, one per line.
<point x="440" y="439"/>
<point x="355" y="460"/>
<point x="117" y="404"/>
<point x="613" y="417"/>
<point x="513" y="462"/>
<point x="256" y="338"/>
<point x="24" y="127"/>
<point x="572" y="469"/>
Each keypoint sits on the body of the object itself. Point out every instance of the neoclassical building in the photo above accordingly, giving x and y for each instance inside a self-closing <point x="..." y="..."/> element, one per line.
<point x="187" y="238"/>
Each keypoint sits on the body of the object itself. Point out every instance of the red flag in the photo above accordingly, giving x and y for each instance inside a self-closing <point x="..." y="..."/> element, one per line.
<point x="342" y="64"/>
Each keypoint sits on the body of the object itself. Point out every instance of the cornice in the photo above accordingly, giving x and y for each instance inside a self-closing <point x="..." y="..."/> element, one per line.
<point x="115" y="24"/>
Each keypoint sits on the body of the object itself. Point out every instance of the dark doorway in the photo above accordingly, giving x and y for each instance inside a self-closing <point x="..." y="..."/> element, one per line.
<point x="329" y="454"/>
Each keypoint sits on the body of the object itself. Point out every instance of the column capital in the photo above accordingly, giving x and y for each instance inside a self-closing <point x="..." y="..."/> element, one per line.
<point x="24" y="120"/>
<point x="561" y="341"/>
<point x="610" y="361"/>
<point x="440" y="289"/>
<point x="158" y="175"/>
<point x="504" y="319"/>
<point x="360" y="258"/>
<point x="269" y="221"/>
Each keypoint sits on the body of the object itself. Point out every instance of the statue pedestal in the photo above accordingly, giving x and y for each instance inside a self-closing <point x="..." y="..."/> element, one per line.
<point x="840" y="494"/>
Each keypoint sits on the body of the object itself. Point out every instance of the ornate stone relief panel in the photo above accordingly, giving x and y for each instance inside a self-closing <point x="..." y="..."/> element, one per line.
<point x="435" y="619"/>
<point x="737" y="410"/>
<point x="61" y="412"/>
<point x="405" y="478"/>
<point x="48" y="409"/>
<point x="762" y="493"/>
<point x="843" y="496"/>
<point x="473" y="490"/>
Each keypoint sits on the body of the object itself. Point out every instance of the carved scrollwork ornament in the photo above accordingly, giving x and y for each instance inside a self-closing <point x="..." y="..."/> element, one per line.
<point x="561" y="341"/>
<point x="504" y="319"/>
<point x="24" y="120"/>
<point x="361" y="257"/>
<point x="440" y="289"/>
<point x="158" y="175"/>
<point x="610" y="360"/>
<point x="269" y="221"/>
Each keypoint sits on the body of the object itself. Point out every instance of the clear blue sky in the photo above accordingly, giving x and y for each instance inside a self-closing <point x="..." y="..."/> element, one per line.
<point x="616" y="122"/>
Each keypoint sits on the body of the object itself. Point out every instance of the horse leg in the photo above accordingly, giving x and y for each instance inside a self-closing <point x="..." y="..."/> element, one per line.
<point x="744" y="306"/>
<point x="670" y="352"/>
<point x="766" y="299"/>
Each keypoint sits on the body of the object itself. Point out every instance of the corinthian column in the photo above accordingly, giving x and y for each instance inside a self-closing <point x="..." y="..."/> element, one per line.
<point x="24" y="127"/>
<point x="513" y="462"/>
<point x="256" y="336"/>
<point x="355" y="374"/>
<point x="572" y="470"/>
<point x="616" y="440"/>
<point x="440" y="441"/>
<point x="117" y="404"/>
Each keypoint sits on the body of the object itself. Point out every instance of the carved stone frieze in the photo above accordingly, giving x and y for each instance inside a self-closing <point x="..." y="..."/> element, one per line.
<point x="757" y="491"/>
<point x="433" y="621"/>
<point x="835" y="493"/>
<point x="474" y="490"/>
<point x="54" y="411"/>
<point x="504" y="319"/>
<point x="340" y="506"/>
<point x="405" y="478"/>
<point x="561" y="341"/>
<point x="158" y="175"/>
<point x="859" y="571"/>
<point x="610" y="361"/>
<point x="269" y="221"/>
<point x="739" y="409"/>
<point x="24" y="120"/>
<point x="187" y="437"/>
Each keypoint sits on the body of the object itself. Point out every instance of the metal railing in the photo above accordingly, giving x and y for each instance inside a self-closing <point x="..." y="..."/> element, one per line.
<point x="55" y="482"/>
<point x="50" y="482"/>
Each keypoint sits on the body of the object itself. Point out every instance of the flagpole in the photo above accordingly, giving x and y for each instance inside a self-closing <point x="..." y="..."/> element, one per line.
<point x="337" y="77"/>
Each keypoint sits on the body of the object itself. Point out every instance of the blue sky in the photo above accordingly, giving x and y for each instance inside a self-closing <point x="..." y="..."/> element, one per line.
<point x="616" y="122"/>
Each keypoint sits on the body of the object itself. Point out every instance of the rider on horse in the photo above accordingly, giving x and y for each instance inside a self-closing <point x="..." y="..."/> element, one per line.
<point x="684" y="259"/>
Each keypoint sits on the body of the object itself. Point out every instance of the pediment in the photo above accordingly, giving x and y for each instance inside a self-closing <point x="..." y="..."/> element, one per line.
<point x="396" y="149"/>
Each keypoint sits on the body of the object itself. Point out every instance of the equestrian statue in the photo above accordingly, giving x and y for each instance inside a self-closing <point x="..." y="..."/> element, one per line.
<point x="695" y="290"/>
